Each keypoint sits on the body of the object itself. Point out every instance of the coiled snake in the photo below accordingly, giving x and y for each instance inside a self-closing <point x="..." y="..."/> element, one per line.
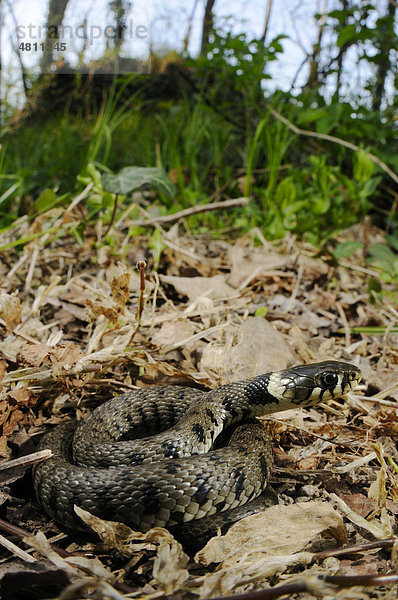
<point x="98" y="466"/>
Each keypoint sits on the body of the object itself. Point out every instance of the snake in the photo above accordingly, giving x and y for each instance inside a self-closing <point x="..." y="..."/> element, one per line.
<point x="167" y="455"/>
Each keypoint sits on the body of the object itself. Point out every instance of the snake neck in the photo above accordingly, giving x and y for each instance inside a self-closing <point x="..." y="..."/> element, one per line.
<point x="240" y="400"/>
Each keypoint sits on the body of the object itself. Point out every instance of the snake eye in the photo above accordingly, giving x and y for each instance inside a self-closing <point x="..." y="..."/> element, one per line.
<point x="329" y="379"/>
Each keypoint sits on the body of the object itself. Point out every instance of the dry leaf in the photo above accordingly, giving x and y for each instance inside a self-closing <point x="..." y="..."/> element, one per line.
<point x="380" y="530"/>
<point x="12" y="412"/>
<point x="255" y="347"/>
<point x="97" y="309"/>
<point x="249" y="264"/>
<point x="244" y="572"/>
<point x="193" y="287"/>
<point x="170" y="564"/>
<point x="359" y="503"/>
<point x="10" y="310"/>
<point x="3" y="369"/>
<point x="279" y="530"/>
<point x="63" y="355"/>
<point x="70" y="565"/>
<point x="120" y="289"/>
<point x="173" y="332"/>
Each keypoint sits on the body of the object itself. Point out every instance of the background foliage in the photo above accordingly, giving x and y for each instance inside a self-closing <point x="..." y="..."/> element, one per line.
<point x="218" y="127"/>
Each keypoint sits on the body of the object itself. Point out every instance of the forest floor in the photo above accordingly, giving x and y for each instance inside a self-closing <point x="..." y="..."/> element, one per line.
<point x="73" y="336"/>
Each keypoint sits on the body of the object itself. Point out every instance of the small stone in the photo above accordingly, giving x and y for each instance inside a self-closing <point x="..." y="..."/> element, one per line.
<point x="311" y="491"/>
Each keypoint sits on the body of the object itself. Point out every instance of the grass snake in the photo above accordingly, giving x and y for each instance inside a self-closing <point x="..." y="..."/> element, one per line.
<point x="151" y="458"/>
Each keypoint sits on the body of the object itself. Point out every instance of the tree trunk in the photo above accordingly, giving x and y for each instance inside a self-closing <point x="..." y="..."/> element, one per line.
<point x="267" y="18"/>
<point x="118" y="8"/>
<point x="56" y="12"/>
<point x="208" y="26"/>
<point x="314" y="75"/>
<point x="187" y="36"/>
<point x="340" y="57"/>
<point x="384" y="65"/>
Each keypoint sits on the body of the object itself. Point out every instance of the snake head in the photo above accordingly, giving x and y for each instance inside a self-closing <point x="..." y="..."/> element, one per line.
<point x="309" y="384"/>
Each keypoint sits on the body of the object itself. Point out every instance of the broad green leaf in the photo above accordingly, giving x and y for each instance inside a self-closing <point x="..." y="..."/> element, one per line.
<point x="294" y="208"/>
<point x="393" y="241"/>
<point x="132" y="178"/>
<point x="347" y="34"/>
<point x="363" y="166"/>
<point x="321" y="205"/>
<point x="382" y="252"/>
<point x="383" y="258"/>
<point x="285" y="193"/>
<point x="345" y="249"/>
<point x="45" y="201"/>
<point x="375" y="290"/>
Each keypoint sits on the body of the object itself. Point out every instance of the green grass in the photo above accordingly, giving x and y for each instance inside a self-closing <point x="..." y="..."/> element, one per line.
<point x="205" y="153"/>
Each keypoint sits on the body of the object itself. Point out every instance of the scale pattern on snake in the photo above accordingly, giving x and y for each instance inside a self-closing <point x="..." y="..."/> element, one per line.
<point x="176" y="475"/>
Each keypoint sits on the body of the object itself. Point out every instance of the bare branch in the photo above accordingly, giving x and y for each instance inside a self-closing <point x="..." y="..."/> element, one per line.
<point x="335" y="140"/>
<point x="267" y="19"/>
<point x="194" y="210"/>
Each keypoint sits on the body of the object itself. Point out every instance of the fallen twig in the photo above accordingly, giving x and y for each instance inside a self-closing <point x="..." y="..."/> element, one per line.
<point x="15" y="550"/>
<point x="355" y="548"/>
<point x="26" y="461"/>
<point x="340" y="581"/>
<point x="187" y="212"/>
<point x="79" y="198"/>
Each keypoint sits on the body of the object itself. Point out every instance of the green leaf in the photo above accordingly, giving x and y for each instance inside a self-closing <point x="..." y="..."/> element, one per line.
<point x="393" y="241"/>
<point x="347" y="34"/>
<point x="340" y="15"/>
<point x="78" y="233"/>
<point x="345" y="249"/>
<point x="383" y="258"/>
<point x="321" y="205"/>
<point x="156" y="244"/>
<point x="371" y="330"/>
<point x="261" y="311"/>
<point x="45" y="201"/>
<point x="363" y="166"/>
<point x="285" y="194"/>
<point x="133" y="178"/>
<point x="375" y="290"/>
<point x="306" y="117"/>
<point x="381" y="252"/>
<point x="93" y="174"/>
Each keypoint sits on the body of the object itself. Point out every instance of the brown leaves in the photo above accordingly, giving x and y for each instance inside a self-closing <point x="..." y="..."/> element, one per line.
<point x="13" y="409"/>
<point x="267" y="544"/>
<point x="170" y="563"/>
<point x="218" y="311"/>
<point x="252" y="347"/>
<point x="120" y="295"/>
<point x="63" y="356"/>
<point x="385" y="422"/>
<point x="120" y="290"/>
<point x="10" y="310"/>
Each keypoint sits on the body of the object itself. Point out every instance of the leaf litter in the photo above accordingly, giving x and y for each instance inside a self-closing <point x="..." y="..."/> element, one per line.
<point x="73" y="334"/>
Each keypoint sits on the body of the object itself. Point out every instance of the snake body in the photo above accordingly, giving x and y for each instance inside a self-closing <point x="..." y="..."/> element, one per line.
<point x="174" y="472"/>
